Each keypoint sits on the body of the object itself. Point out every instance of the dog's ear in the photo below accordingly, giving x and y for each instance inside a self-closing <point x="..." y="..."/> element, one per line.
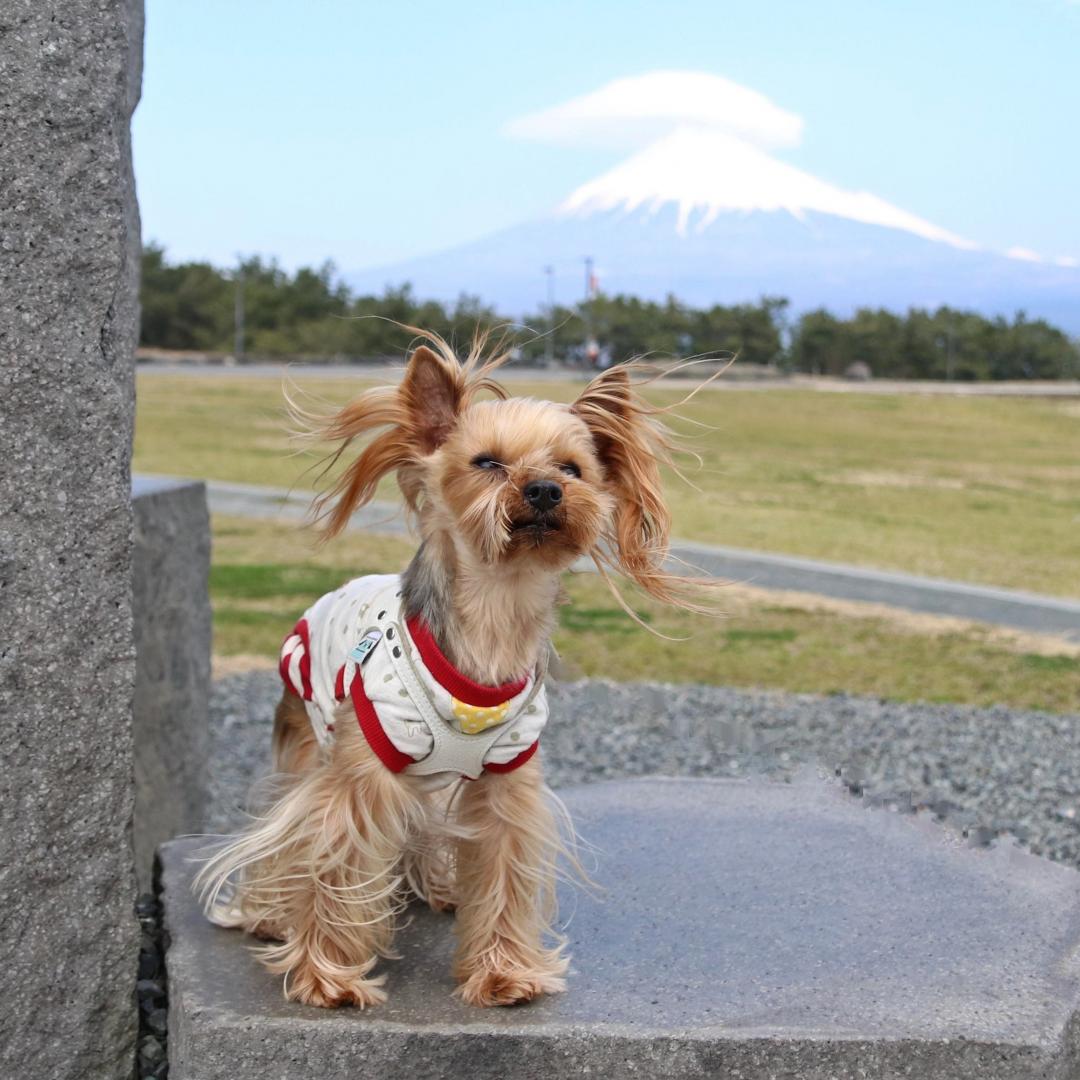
<point x="401" y="425"/>
<point x="431" y="394"/>
<point x="630" y="446"/>
<point x="604" y="405"/>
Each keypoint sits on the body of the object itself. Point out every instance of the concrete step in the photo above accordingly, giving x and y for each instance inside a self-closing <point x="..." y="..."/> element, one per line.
<point x="747" y="929"/>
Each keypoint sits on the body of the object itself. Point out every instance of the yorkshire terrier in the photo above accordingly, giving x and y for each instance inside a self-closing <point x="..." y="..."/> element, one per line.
<point x="405" y="742"/>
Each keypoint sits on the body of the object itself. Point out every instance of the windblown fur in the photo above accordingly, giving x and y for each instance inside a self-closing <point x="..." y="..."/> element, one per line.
<point x="325" y="869"/>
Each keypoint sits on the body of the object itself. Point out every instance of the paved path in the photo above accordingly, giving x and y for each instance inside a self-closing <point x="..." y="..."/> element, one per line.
<point x="1006" y="607"/>
<point x="391" y="372"/>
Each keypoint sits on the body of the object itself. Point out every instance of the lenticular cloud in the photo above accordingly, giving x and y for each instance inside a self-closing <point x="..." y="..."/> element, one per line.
<point x="634" y="111"/>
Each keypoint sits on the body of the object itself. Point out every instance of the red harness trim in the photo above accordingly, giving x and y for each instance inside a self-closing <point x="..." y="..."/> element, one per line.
<point x="448" y="676"/>
<point x="371" y="726"/>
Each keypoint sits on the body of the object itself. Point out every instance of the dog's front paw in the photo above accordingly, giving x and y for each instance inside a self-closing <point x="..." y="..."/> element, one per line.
<point x="311" y="987"/>
<point x="512" y="986"/>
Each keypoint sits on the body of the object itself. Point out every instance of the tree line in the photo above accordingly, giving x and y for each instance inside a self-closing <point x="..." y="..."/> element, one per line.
<point x="312" y="312"/>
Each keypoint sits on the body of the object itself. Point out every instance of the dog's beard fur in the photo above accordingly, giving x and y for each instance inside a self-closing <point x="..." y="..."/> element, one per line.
<point x="325" y="870"/>
<point x="531" y="441"/>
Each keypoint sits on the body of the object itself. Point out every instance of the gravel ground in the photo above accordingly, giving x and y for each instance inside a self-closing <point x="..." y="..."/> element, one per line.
<point x="989" y="771"/>
<point x="151" y="993"/>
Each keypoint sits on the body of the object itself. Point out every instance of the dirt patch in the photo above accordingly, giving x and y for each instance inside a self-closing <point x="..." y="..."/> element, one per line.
<point x="899" y="480"/>
<point x="744" y="599"/>
<point x="238" y="665"/>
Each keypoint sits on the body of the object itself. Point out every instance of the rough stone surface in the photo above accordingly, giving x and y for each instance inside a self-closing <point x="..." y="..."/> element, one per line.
<point x="69" y="243"/>
<point x="172" y="670"/>
<point x="744" y="929"/>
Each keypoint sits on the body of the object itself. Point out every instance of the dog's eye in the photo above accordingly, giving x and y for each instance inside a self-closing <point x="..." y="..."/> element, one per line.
<point x="570" y="469"/>
<point x="485" y="461"/>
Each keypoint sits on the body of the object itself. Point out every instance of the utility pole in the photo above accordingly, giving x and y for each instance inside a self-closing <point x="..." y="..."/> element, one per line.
<point x="586" y="307"/>
<point x="238" y="314"/>
<point x="549" y="340"/>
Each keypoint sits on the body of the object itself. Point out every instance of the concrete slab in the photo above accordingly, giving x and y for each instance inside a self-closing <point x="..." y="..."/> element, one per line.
<point x="747" y="929"/>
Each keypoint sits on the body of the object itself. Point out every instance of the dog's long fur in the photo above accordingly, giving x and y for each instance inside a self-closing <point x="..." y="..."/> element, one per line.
<point x="324" y="872"/>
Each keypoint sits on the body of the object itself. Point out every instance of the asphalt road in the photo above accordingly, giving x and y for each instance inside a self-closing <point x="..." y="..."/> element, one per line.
<point x="1004" y="607"/>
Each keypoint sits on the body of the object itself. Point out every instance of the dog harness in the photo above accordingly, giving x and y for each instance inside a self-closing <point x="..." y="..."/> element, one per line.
<point x="419" y="714"/>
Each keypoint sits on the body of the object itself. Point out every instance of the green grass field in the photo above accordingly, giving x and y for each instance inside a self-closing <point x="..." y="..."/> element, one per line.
<point x="265" y="574"/>
<point x="976" y="489"/>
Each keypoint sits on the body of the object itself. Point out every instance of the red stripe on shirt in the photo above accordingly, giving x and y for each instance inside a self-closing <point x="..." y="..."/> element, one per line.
<point x="513" y="763"/>
<point x="371" y="726"/>
<point x="305" y="659"/>
<point x="304" y="690"/>
<point x="283" y="670"/>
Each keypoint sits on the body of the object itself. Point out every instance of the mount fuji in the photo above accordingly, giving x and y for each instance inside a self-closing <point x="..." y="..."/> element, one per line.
<point x="712" y="219"/>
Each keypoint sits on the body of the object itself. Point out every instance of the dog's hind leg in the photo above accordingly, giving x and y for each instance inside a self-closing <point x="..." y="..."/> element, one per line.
<point x="323" y="867"/>
<point x="295" y="748"/>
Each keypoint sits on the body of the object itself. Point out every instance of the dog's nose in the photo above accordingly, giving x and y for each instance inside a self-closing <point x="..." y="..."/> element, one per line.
<point x="543" y="494"/>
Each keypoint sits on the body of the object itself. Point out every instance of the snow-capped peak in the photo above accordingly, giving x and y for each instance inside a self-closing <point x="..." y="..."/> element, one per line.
<point x="707" y="173"/>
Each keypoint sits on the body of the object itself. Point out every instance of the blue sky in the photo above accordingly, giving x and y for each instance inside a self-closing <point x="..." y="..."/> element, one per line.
<point x="369" y="133"/>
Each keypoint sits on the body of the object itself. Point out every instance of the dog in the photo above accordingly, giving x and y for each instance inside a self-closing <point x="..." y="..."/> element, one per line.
<point x="404" y="745"/>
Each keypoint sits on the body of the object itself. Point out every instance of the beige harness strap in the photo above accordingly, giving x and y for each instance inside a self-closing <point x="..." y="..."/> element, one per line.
<point x="452" y="751"/>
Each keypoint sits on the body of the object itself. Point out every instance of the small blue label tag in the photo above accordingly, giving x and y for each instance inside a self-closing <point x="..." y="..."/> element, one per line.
<point x="362" y="649"/>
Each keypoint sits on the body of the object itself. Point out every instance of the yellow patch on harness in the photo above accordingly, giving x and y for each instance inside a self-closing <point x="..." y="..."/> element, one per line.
<point x="475" y="718"/>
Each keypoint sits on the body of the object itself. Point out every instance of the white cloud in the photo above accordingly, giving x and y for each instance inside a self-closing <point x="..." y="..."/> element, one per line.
<point x="634" y="111"/>
<point x="1067" y="260"/>
<point x="1024" y="254"/>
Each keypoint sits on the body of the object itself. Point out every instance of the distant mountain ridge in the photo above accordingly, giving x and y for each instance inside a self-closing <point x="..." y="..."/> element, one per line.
<point x="710" y="219"/>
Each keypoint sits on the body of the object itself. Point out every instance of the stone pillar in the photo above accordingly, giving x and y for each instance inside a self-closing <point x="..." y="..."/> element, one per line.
<point x="172" y="669"/>
<point x="69" y="243"/>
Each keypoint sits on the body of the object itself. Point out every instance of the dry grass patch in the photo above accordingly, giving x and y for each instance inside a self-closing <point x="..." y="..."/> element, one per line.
<point x="977" y="489"/>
